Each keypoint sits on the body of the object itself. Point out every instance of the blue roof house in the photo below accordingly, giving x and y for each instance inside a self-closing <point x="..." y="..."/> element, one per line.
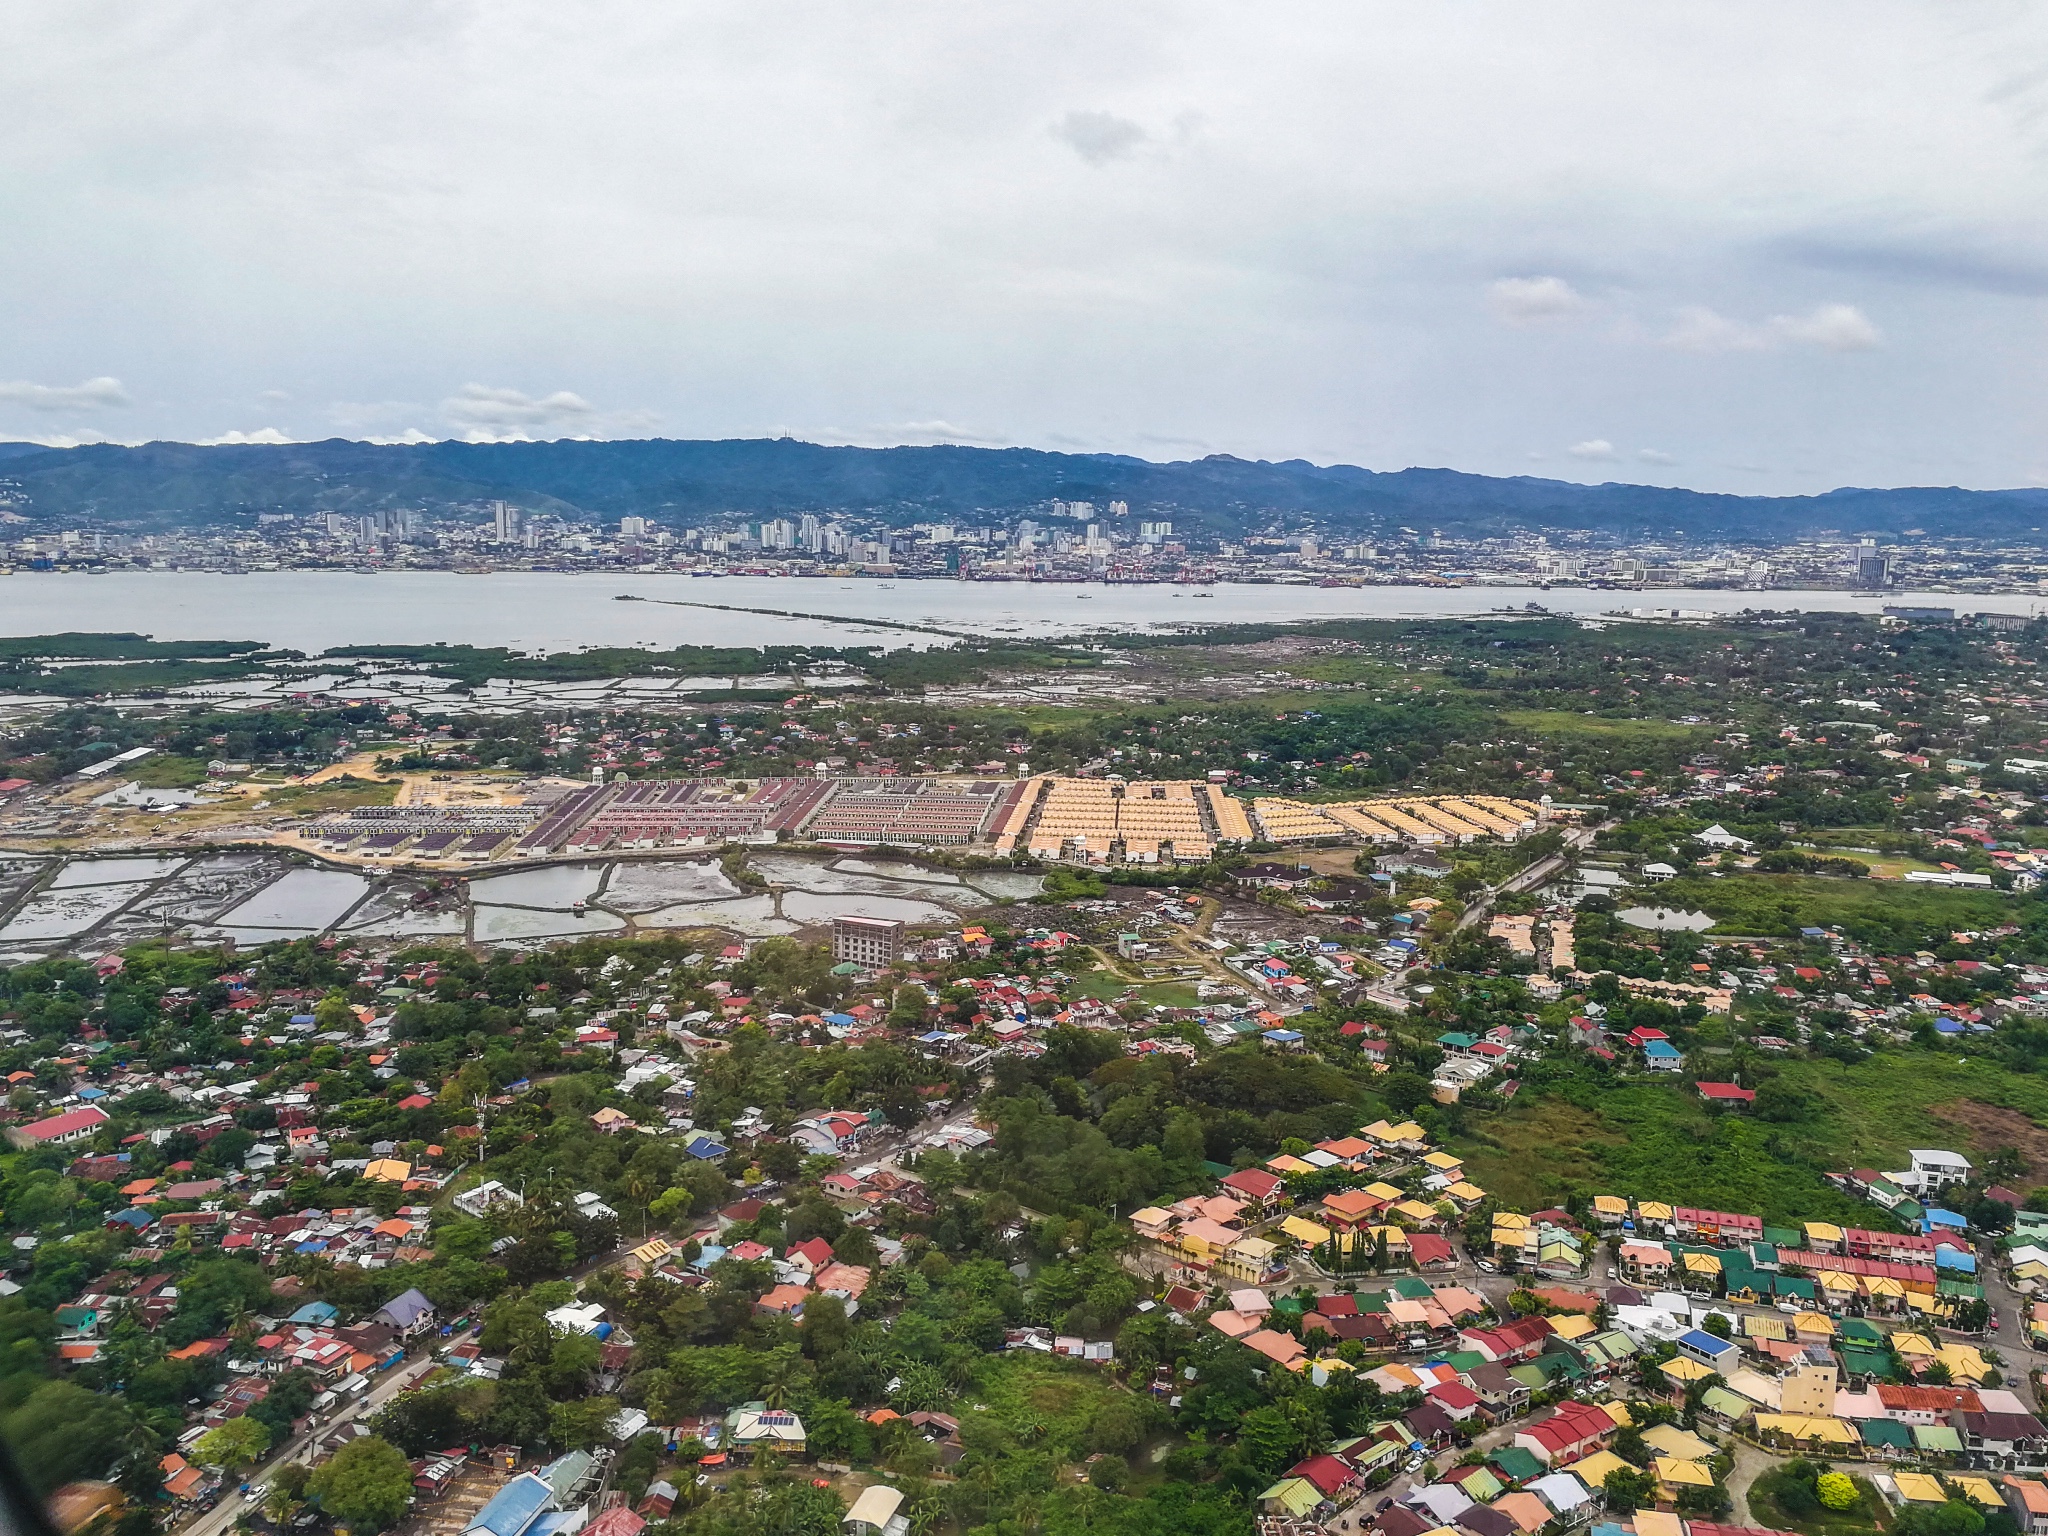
<point x="1663" y="1056"/>
<point x="514" y="1508"/>
<point x="1721" y="1355"/>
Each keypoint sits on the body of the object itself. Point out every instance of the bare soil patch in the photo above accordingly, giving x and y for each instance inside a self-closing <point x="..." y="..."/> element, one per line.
<point x="1991" y="1128"/>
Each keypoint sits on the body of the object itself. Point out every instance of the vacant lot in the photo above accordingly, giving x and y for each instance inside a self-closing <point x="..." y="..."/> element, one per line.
<point x="1656" y="1140"/>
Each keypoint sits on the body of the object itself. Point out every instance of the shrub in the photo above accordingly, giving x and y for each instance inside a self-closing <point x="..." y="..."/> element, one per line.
<point x="1837" y="1490"/>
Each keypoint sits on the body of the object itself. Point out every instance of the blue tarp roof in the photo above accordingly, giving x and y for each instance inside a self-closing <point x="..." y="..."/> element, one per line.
<point x="1946" y="1257"/>
<point x="315" y="1312"/>
<point x="514" y="1508"/>
<point x="1660" y="1048"/>
<point x="839" y="1018"/>
<point x="1705" y="1342"/>
<point x="134" y="1216"/>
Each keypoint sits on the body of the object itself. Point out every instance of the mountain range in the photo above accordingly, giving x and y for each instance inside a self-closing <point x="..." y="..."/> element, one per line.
<point x="684" y="483"/>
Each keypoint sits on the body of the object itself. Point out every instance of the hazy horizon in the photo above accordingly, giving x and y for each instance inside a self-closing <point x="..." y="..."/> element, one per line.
<point x="1739" y="248"/>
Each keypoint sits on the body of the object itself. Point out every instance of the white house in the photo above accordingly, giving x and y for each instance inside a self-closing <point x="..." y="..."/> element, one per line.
<point x="1718" y="836"/>
<point x="486" y="1197"/>
<point x="1932" y="1169"/>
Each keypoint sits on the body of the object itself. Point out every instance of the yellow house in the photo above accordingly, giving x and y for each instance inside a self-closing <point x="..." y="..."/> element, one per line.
<point x="1964" y="1362"/>
<point x="1247" y="1258"/>
<point x="1465" y="1193"/>
<point x="1443" y="1162"/>
<point x="388" y="1170"/>
<point x="1610" y="1210"/>
<point x="1204" y="1240"/>
<point x="1305" y="1232"/>
<point x="1977" y="1490"/>
<point x="1678" y="1444"/>
<point x="1152" y="1222"/>
<point x="1812" y="1431"/>
<point x="1823" y="1237"/>
<point x="1919" y="1488"/>
<point x="1680" y="1370"/>
<point x="1653" y="1211"/>
<point x="1673" y="1474"/>
<point x="1592" y="1470"/>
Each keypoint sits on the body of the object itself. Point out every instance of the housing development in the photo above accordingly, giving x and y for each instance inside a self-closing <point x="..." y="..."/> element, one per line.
<point x="1429" y="1079"/>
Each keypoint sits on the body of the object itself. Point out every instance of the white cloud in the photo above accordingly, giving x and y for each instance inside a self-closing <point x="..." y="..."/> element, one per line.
<point x="1654" y="456"/>
<point x="1832" y="327"/>
<point x="1100" y="137"/>
<point x="78" y="439"/>
<point x="268" y="436"/>
<point x="1532" y="300"/>
<point x="1700" y="329"/>
<point x="92" y="395"/>
<point x="490" y="415"/>
<point x="1335" y="238"/>
<point x="1593" y="448"/>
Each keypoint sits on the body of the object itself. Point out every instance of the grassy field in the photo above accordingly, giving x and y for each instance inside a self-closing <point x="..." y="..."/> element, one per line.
<point x="1860" y="1517"/>
<point x="1099" y="983"/>
<point x="335" y="795"/>
<point x="1881" y="913"/>
<point x="1882" y="866"/>
<point x="1878" y="1108"/>
<point x="163" y="771"/>
<point x="1655" y="1140"/>
<point x="1170" y="994"/>
<point x="1045" y="1401"/>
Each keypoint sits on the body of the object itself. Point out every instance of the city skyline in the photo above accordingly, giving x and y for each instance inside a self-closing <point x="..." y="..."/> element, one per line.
<point x="1588" y="245"/>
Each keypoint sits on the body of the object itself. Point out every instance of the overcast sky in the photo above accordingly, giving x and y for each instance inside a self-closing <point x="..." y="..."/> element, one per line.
<point x="1740" y="246"/>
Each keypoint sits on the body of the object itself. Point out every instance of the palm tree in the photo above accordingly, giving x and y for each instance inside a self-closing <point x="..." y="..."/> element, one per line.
<point x="926" y="1510"/>
<point x="781" y="1377"/>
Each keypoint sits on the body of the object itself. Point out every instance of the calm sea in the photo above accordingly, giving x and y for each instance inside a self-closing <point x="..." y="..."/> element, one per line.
<point x="317" y="610"/>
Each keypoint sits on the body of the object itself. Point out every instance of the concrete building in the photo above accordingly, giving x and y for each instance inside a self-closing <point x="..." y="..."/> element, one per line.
<point x="870" y="942"/>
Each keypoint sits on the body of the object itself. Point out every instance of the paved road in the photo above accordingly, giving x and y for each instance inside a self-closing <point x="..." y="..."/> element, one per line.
<point x="1529" y="879"/>
<point x="221" y="1518"/>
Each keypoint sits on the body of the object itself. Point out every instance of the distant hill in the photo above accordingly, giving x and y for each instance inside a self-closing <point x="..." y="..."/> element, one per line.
<point x="685" y="483"/>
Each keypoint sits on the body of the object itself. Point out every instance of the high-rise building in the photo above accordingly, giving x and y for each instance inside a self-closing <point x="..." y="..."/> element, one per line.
<point x="632" y="527"/>
<point x="1872" y="568"/>
<point x="810" y="533"/>
<point x="869" y="942"/>
<point x="505" y="522"/>
<point x="1119" y="509"/>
